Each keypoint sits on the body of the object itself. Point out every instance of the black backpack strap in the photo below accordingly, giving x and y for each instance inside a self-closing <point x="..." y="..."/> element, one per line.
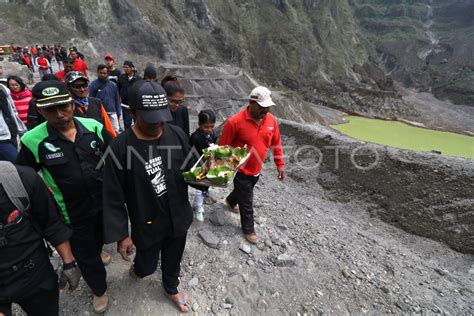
<point x="14" y="188"/>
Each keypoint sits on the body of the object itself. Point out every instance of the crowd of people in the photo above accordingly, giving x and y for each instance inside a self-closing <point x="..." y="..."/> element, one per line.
<point x="99" y="175"/>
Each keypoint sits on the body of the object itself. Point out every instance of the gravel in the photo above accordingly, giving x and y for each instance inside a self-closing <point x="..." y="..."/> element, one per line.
<point x="365" y="265"/>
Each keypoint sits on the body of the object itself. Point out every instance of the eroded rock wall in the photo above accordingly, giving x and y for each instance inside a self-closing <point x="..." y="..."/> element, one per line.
<point x="423" y="193"/>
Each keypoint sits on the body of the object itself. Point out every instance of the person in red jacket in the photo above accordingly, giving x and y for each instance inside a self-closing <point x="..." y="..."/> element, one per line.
<point x="43" y="65"/>
<point x="79" y="64"/>
<point x="21" y="96"/>
<point x="255" y="127"/>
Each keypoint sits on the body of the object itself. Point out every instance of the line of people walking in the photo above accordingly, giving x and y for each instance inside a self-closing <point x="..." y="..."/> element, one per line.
<point x="102" y="178"/>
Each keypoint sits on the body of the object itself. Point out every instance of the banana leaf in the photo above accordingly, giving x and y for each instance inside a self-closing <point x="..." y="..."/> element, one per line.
<point x="192" y="174"/>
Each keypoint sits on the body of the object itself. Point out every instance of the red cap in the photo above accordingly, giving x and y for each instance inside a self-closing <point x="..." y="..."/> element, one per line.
<point x="109" y="56"/>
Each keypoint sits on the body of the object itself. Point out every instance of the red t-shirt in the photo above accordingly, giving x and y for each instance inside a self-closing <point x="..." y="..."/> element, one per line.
<point x="61" y="75"/>
<point x="27" y="60"/>
<point x="241" y="130"/>
<point x="43" y="63"/>
<point x="80" y="65"/>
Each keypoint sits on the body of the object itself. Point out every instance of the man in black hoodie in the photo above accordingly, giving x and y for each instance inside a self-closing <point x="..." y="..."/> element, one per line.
<point x="143" y="170"/>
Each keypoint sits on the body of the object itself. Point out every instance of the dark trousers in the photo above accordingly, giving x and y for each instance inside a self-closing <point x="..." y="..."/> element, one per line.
<point x="86" y="245"/>
<point x="127" y="118"/>
<point x="243" y="196"/>
<point x="171" y="248"/>
<point x="8" y="151"/>
<point x="43" y="302"/>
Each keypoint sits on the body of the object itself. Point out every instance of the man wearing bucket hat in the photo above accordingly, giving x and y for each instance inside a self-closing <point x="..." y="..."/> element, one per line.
<point x="150" y="183"/>
<point x="255" y="127"/>
<point x="68" y="151"/>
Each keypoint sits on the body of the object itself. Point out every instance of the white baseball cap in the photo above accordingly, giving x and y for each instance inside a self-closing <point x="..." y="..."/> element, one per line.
<point x="262" y="96"/>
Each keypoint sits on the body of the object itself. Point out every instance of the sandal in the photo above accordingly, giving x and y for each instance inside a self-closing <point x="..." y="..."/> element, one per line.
<point x="181" y="302"/>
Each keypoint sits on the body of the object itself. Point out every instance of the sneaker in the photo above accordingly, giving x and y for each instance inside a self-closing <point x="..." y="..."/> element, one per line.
<point x="251" y="238"/>
<point x="199" y="213"/>
<point x="105" y="257"/>
<point x="199" y="216"/>
<point x="233" y="209"/>
<point x="100" y="303"/>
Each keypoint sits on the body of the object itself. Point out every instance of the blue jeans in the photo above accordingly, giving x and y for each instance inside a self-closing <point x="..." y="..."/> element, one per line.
<point x="8" y="151"/>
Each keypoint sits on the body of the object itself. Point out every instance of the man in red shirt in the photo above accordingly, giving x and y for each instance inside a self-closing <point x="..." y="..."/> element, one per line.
<point x="79" y="64"/>
<point x="255" y="127"/>
<point x="68" y="66"/>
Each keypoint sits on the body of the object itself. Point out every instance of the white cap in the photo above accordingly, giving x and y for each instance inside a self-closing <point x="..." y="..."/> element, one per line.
<point x="262" y="96"/>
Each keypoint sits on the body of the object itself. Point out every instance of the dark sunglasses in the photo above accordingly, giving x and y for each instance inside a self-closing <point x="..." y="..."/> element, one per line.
<point x="79" y="85"/>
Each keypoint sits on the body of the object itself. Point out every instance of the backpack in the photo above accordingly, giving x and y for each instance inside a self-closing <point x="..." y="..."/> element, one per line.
<point x="11" y="182"/>
<point x="16" y="192"/>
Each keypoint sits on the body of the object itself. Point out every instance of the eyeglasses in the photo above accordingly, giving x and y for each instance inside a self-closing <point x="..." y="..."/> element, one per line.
<point x="79" y="85"/>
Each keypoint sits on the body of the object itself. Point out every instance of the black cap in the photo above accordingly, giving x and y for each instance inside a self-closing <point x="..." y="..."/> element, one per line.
<point x="150" y="72"/>
<point x="129" y="64"/>
<point x="51" y="93"/>
<point x="149" y="99"/>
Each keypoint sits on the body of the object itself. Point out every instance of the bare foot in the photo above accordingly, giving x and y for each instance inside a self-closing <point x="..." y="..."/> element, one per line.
<point x="182" y="303"/>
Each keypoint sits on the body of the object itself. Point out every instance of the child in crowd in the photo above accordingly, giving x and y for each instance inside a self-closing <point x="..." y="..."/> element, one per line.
<point x="202" y="138"/>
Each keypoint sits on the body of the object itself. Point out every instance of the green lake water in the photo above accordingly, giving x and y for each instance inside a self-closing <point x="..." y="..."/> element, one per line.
<point x="400" y="135"/>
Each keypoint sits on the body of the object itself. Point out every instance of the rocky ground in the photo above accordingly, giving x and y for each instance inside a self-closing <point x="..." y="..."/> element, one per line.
<point x="441" y="115"/>
<point x="315" y="256"/>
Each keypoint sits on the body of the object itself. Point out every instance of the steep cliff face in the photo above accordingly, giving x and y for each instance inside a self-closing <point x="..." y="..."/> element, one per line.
<point x="301" y="44"/>
<point x="276" y="39"/>
<point x="426" y="44"/>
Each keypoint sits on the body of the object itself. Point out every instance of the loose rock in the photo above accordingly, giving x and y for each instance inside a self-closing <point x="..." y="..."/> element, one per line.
<point x="346" y="273"/>
<point x="245" y="248"/>
<point x="209" y="238"/>
<point x="218" y="218"/>
<point x="282" y="226"/>
<point x="285" y="260"/>
<point x="436" y="309"/>
<point x="268" y="242"/>
<point x="215" y="308"/>
<point x="193" y="282"/>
